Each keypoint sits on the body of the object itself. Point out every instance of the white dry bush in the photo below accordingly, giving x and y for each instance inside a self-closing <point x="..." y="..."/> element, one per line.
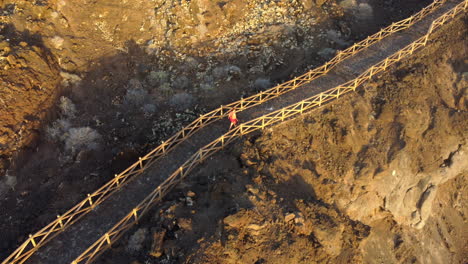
<point x="67" y="107"/>
<point x="261" y="84"/>
<point x="74" y="139"/>
<point x="135" y="243"/>
<point x="69" y="79"/>
<point x="165" y="89"/>
<point x="219" y="72"/>
<point x="207" y="87"/>
<point x="10" y="181"/>
<point x="136" y="97"/>
<point x="327" y="53"/>
<point x="157" y="77"/>
<point x="348" y="4"/>
<point x="148" y="109"/>
<point x="226" y="72"/>
<point x="58" y="130"/>
<point x="81" y="138"/>
<point x="233" y="72"/>
<point x="181" y="82"/>
<point x="182" y="101"/>
<point x="364" y="12"/>
<point x="134" y="84"/>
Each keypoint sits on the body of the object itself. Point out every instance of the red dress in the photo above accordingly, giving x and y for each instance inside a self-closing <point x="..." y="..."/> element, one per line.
<point x="233" y="118"/>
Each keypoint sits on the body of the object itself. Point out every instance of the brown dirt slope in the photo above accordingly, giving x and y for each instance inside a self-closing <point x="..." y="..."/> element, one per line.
<point x="29" y="77"/>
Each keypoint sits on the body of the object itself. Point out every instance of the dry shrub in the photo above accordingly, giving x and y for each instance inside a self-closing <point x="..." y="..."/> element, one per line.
<point x="81" y="138"/>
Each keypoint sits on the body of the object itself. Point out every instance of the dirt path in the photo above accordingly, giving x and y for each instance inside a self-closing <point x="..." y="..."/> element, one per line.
<point x="91" y="227"/>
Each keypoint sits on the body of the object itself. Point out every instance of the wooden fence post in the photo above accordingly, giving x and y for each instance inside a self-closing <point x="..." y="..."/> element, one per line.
<point x="32" y="240"/>
<point x="108" y="238"/>
<point x="135" y="215"/>
<point x="182" y="174"/>
<point x="60" y="221"/>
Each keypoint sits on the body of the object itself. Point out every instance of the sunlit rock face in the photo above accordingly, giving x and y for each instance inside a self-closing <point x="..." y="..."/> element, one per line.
<point x="29" y="77"/>
<point x="194" y="27"/>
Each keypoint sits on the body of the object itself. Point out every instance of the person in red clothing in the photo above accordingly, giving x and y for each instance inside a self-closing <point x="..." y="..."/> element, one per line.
<point x="233" y="118"/>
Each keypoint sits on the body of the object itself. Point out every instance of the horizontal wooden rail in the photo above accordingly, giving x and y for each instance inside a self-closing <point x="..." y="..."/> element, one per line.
<point x="35" y="241"/>
<point x="270" y="119"/>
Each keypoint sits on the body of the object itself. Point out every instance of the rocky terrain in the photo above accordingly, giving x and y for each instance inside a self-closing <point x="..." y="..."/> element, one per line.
<point x="379" y="176"/>
<point x="179" y="53"/>
<point x="88" y="86"/>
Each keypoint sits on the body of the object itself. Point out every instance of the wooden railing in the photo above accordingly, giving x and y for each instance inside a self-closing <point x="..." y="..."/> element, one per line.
<point x="278" y="116"/>
<point x="35" y="241"/>
<point x="38" y="239"/>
